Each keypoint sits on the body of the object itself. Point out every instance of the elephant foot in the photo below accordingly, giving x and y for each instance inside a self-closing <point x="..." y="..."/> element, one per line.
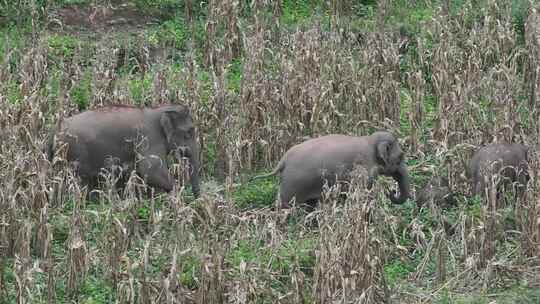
<point x="93" y="196"/>
<point x="284" y="205"/>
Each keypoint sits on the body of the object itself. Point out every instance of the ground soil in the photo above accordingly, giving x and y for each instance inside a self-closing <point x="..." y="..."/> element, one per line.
<point x="120" y="16"/>
<point x="104" y="24"/>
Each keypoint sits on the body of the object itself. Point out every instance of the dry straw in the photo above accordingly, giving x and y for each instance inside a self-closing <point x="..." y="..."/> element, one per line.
<point x="467" y="82"/>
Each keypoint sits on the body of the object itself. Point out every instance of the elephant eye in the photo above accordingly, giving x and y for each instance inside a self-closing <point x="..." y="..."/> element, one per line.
<point x="189" y="134"/>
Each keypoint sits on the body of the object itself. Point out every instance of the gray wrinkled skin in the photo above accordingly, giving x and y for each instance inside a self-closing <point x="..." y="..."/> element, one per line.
<point x="305" y="167"/>
<point x="508" y="160"/>
<point x="115" y="135"/>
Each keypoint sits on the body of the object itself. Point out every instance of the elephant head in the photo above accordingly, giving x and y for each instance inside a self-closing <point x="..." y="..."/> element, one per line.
<point x="179" y="131"/>
<point x="391" y="162"/>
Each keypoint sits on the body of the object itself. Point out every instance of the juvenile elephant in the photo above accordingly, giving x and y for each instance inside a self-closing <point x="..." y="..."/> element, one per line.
<point x="134" y="138"/>
<point x="508" y="160"/>
<point x="438" y="191"/>
<point x="305" y="167"/>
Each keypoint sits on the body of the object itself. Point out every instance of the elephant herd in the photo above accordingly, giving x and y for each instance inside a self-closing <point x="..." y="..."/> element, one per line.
<point x="140" y="140"/>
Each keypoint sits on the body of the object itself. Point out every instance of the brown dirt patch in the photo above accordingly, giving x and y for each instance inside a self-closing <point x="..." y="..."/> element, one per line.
<point x="122" y="17"/>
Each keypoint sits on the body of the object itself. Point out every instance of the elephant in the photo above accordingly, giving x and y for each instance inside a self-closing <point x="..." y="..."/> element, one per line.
<point x="305" y="167"/>
<point x="134" y="138"/>
<point x="438" y="191"/>
<point x="509" y="160"/>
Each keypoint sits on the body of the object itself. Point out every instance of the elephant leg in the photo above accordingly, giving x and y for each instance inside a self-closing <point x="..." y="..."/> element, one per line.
<point x="310" y="205"/>
<point x="479" y="187"/>
<point x="501" y="191"/>
<point x="297" y="194"/>
<point x="92" y="185"/>
<point x="284" y="200"/>
<point x="88" y="179"/>
<point x="293" y="188"/>
<point x="520" y="188"/>
<point x="154" y="171"/>
<point x="373" y="174"/>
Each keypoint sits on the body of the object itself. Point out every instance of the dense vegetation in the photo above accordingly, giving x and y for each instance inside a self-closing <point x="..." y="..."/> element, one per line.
<point x="259" y="76"/>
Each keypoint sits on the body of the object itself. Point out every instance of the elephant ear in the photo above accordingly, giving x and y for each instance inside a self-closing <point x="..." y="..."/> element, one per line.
<point x="167" y="123"/>
<point x="383" y="151"/>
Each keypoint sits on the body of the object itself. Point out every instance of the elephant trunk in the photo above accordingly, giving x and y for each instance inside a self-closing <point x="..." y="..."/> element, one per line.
<point x="194" y="174"/>
<point x="193" y="156"/>
<point x="402" y="178"/>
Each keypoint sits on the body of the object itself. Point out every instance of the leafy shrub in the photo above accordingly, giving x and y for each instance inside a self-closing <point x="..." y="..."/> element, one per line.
<point x="81" y="92"/>
<point x="170" y="32"/>
<point x="140" y="88"/>
<point x="62" y="45"/>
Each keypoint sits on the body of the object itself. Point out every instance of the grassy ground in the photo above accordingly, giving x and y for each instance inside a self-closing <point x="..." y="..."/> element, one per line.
<point x="259" y="77"/>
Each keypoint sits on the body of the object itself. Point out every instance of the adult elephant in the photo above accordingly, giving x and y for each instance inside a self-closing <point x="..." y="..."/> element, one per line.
<point x="134" y="138"/>
<point x="508" y="160"/>
<point x="305" y="167"/>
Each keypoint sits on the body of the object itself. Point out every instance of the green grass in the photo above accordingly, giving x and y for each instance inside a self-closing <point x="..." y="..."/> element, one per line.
<point x="14" y="94"/>
<point x="191" y="267"/>
<point x="282" y="260"/>
<point x="81" y="92"/>
<point x="234" y="75"/>
<point x="297" y="11"/>
<point x="140" y="89"/>
<point x="96" y="290"/>
<point x="409" y="17"/>
<point x="71" y="2"/>
<point x="169" y="8"/>
<point x="13" y="38"/>
<point x="171" y="32"/>
<point x="514" y="295"/>
<point x="397" y="270"/>
<point x="256" y="194"/>
<point x="63" y="46"/>
<point x="519" y="17"/>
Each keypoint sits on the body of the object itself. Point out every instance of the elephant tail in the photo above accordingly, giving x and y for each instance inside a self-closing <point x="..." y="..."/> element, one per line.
<point x="49" y="148"/>
<point x="278" y="169"/>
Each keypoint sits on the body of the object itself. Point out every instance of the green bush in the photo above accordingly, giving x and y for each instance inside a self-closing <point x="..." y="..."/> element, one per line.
<point x="140" y="88"/>
<point x="170" y="32"/>
<point x="81" y="92"/>
<point x="191" y="267"/>
<point x="62" y="45"/>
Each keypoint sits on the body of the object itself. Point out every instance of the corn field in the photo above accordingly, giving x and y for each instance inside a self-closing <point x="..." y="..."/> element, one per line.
<point x="256" y="87"/>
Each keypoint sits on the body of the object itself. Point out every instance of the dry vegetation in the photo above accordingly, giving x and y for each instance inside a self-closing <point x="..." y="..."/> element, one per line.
<point x="256" y="85"/>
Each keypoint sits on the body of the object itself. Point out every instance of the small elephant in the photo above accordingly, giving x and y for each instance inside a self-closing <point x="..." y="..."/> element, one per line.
<point x="305" y="167"/>
<point x="133" y="138"/>
<point x="438" y="191"/>
<point x="508" y="160"/>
